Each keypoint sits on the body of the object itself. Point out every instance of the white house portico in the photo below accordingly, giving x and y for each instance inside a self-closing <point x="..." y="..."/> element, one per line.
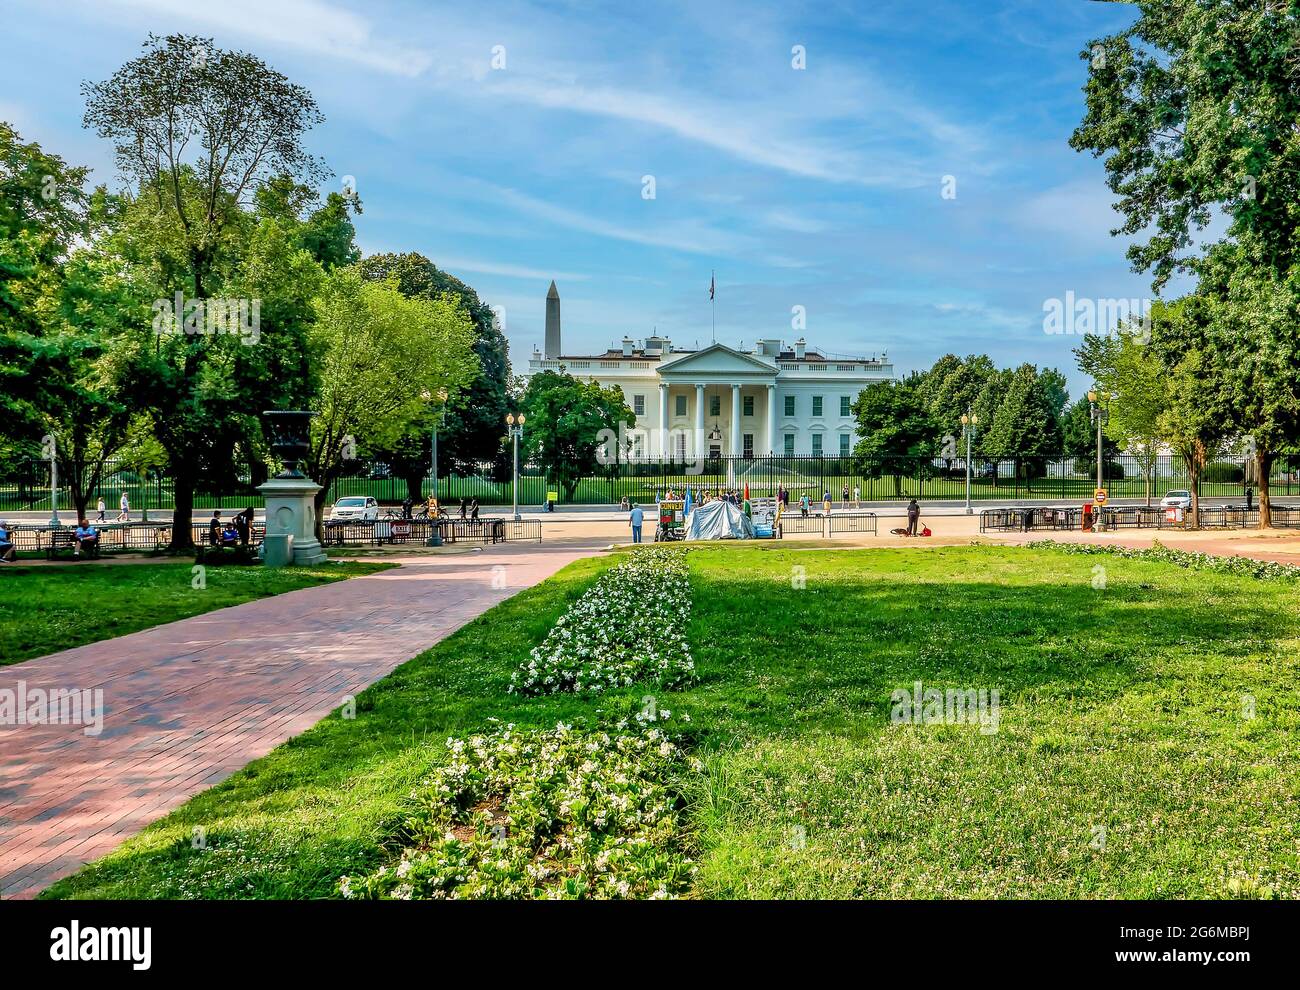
<point x="719" y="401"/>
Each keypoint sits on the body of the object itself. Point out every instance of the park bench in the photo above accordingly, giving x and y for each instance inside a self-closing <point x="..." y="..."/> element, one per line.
<point x="64" y="539"/>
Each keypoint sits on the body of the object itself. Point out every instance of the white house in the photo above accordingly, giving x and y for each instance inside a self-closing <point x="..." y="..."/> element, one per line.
<point x="716" y="400"/>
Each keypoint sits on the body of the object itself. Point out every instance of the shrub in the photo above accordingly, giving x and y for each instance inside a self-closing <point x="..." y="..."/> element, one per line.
<point x="1223" y="473"/>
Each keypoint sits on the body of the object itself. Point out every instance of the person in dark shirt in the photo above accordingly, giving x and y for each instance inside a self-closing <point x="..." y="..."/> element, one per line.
<point x="464" y="503"/>
<point x="913" y="514"/>
<point x="473" y="509"/>
<point x="214" y="529"/>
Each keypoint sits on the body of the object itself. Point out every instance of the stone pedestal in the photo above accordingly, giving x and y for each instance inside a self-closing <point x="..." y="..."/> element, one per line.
<point x="291" y="509"/>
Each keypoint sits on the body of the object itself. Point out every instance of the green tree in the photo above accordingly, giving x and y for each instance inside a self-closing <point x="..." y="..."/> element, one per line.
<point x="1194" y="108"/>
<point x="379" y="357"/>
<point x="898" y="434"/>
<point x="200" y="131"/>
<point x="474" y="420"/>
<point x="1025" y="427"/>
<point x="566" y="422"/>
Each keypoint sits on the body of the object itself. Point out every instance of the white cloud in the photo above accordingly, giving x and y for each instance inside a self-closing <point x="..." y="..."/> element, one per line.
<point x="309" y="25"/>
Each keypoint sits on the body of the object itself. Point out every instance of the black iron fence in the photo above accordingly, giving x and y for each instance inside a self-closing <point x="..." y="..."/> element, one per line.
<point x="643" y="480"/>
<point x="1023" y="519"/>
<point x="417" y="532"/>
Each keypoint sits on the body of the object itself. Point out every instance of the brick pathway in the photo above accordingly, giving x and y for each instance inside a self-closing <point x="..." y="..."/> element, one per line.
<point x="189" y="703"/>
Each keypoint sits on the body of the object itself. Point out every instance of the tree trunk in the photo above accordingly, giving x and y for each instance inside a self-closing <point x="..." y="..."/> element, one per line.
<point x="1263" y="468"/>
<point x="182" y="513"/>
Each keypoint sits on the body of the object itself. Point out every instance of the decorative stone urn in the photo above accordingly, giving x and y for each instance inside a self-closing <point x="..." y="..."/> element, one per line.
<point x="290" y="495"/>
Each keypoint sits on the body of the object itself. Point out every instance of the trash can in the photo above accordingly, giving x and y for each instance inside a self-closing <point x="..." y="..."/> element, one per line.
<point x="1087" y="517"/>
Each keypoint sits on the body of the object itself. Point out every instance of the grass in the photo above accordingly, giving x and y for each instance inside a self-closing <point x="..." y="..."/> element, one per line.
<point x="45" y="609"/>
<point x="1124" y="764"/>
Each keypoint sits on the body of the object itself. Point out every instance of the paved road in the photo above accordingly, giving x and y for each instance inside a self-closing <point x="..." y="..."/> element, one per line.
<point x="189" y="703"/>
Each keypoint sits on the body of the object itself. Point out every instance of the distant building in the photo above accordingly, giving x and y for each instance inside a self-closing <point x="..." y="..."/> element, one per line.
<point x="783" y="399"/>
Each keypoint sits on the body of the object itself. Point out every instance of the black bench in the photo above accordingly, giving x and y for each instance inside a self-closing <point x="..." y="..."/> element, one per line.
<point x="66" y="539"/>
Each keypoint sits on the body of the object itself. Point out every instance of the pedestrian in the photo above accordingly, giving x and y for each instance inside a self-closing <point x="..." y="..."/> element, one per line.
<point x="785" y="497"/>
<point x="804" y="503"/>
<point x="214" y="529"/>
<point x="101" y="508"/>
<point x="464" y="503"/>
<point x="1250" y="499"/>
<point x="857" y="497"/>
<point x="125" y="514"/>
<point x="913" y="514"/>
<point x="826" y="502"/>
<point x="845" y="493"/>
<point x="473" y="509"/>
<point x="635" y="518"/>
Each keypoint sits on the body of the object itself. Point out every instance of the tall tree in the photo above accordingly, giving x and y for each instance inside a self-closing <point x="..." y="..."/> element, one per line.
<point x="898" y="434"/>
<point x="200" y="130"/>
<point x="566" y="420"/>
<point x="1194" y="108"/>
<point x="1025" y="427"/>
<point x="381" y="356"/>
<point x="473" y="422"/>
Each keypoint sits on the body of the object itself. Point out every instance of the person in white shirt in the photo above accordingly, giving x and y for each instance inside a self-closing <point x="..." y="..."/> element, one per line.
<point x="101" y="508"/>
<point x="125" y="514"/>
<point x="857" y="497"/>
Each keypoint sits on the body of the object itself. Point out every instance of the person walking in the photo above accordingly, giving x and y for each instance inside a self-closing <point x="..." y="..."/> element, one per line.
<point x="913" y="514"/>
<point x="101" y="508"/>
<point x="804" y="503"/>
<point x="125" y="514"/>
<point x="857" y="497"/>
<point x="635" y="519"/>
<point x="473" y="509"/>
<point x="464" y="504"/>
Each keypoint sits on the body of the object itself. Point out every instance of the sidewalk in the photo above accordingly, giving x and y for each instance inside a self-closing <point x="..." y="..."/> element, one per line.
<point x="189" y="703"/>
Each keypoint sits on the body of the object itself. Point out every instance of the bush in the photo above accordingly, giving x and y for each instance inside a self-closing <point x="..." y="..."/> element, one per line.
<point x="1223" y="472"/>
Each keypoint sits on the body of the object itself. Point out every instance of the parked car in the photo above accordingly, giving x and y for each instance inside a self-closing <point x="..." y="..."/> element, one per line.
<point x="354" y="507"/>
<point x="1179" y="498"/>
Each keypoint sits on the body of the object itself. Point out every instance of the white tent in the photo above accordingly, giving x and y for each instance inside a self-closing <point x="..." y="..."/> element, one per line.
<point x="718" y="520"/>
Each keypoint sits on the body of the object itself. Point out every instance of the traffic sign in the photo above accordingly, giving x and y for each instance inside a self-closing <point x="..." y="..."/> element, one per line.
<point x="1100" y="496"/>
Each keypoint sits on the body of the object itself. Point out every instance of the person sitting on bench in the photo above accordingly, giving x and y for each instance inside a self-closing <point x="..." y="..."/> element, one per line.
<point x="87" y="538"/>
<point x="6" y="544"/>
<point x="230" y="535"/>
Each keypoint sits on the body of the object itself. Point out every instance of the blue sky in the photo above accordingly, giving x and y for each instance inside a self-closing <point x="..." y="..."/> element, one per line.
<point x="818" y="187"/>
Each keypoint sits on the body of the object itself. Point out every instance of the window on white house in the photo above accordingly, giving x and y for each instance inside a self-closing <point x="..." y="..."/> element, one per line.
<point x="817" y="444"/>
<point x="638" y="404"/>
<point x="817" y="405"/>
<point x="746" y="405"/>
<point x="789" y="445"/>
<point x="715" y="405"/>
<point x="789" y="405"/>
<point x="747" y="444"/>
<point x="681" y="405"/>
<point x="844" y="405"/>
<point x="844" y="445"/>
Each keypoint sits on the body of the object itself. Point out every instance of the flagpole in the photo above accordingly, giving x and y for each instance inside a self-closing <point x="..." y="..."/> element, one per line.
<point x="713" y="301"/>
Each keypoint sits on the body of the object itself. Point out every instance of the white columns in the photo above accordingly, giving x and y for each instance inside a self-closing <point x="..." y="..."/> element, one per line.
<point x="735" y="421"/>
<point x="663" y="419"/>
<point x="771" y="419"/>
<point x="699" y="421"/>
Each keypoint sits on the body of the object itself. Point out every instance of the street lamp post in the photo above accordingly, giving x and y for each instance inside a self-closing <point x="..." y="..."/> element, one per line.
<point x="516" y="427"/>
<point x="54" y="482"/>
<point x="1099" y="416"/>
<point x="968" y="423"/>
<point x="435" y="531"/>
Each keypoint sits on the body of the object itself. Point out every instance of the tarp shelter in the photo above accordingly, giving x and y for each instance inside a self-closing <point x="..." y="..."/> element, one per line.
<point x="718" y="520"/>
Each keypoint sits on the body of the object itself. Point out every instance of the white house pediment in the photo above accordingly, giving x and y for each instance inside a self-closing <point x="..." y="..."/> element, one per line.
<point x="718" y="362"/>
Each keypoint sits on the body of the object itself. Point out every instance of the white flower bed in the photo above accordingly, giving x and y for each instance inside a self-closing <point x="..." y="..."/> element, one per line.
<point x="627" y="628"/>
<point x="559" y="813"/>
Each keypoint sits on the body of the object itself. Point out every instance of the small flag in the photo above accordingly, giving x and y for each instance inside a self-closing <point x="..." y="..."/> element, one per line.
<point x="711" y="285"/>
<point x="746" y="491"/>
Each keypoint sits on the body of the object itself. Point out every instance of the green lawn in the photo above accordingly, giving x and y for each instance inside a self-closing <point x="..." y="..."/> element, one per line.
<point x="44" y="609"/>
<point x="1123" y="765"/>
